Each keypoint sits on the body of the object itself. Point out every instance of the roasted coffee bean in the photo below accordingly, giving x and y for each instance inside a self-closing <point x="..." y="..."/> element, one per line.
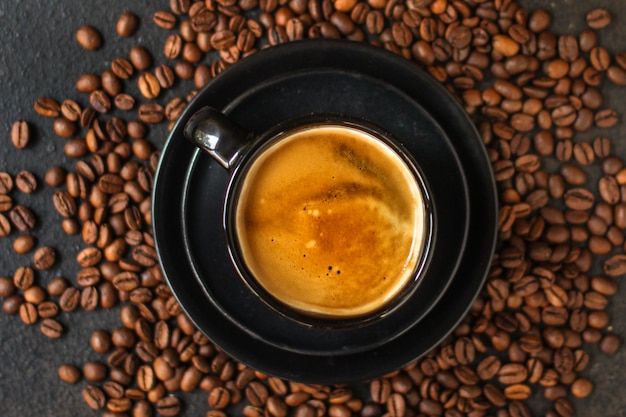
<point x="22" y="217"/>
<point x="51" y="328"/>
<point x="28" y="313"/>
<point x="164" y="75"/>
<point x="164" y="19"/>
<point x="44" y="257"/>
<point x="88" y="83"/>
<point x="89" y="38"/>
<point x="122" y="68"/>
<point x="5" y="226"/>
<point x="64" y="203"/>
<point x="55" y="176"/>
<point x="20" y="134"/>
<point x="149" y="86"/>
<point x="94" y="397"/>
<point x="605" y="118"/>
<point x="609" y="189"/>
<point x="47" y="106"/>
<point x="615" y="265"/>
<point x="6" y="183"/>
<point x="151" y="113"/>
<point x="7" y="287"/>
<point x="127" y="24"/>
<point x="598" y="18"/>
<point x="69" y="374"/>
<point x="26" y="182"/>
<point x="70" y="299"/>
<point x="141" y="58"/>
<point x="168" y="406"/>
<point x="6" y="203"/>
<point x="48" y="309"/>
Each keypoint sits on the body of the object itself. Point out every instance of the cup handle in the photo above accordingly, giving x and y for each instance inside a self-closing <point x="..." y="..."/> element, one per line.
<point x="216" y="134"/>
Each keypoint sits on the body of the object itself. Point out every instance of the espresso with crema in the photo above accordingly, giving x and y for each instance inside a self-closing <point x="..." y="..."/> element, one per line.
<point x="331" y="221"/>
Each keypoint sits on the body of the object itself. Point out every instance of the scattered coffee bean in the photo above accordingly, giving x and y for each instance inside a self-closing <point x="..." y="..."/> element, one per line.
<point x="94" y="397"/>
<point x="47" y="106"/>
<point x="51" y="328"/>
<point x="26" y="182"/>
<point x="69" y="373"/>
<point x="598" y="18"/>
<point x="20" y="134"/>
<point x="89" y="38"/>
<point x="44" y="257"/>
<point x="127" y="24"/>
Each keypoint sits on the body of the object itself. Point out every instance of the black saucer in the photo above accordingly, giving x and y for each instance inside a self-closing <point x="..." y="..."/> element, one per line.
<point x="323" y="76"/>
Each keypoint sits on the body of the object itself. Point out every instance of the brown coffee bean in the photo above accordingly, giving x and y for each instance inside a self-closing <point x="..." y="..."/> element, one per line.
<point x="145" y="378"/>
<point x="380" y="390"/>
<point x="124" y="101"/>
<point x="598" y="18"/>
<point x="173" y="46"/>
<point x="616" y="75"/>
<point x="164" y="19"/>
<point x="127" y="24"/>
<point x="609" y="189"/>
<point x="610" y="344"/>
<point x="100" y="341"/>
<point x="64" y="203"/>
<point x="579" y="199"/>
<point x="488" y="367"/>
<point x="168" y="406"/>
<point x="22" y="217"/>
<point x="568" y="47"/>
<point x="141" y="58"/>
<point x="539" y="20"/>
<point x="505" y="45"/>
<point x="24" y="277"/>
<point x="606" y="118"/>
<point x="55" y="176"/>
<point x="28" y="313"/>
<point x="44" y="258"/>
<point x="89" y="38"/>
<point x="6" y="183"/>
<point x="94" y="397"/>
<point x="256" y="393"/>
<point x="5" y="226"/>
<point x="47" y="309"/>
<point x="94" y="371"/>
<point x="111" y="84"/>
<point x="6" y="203"/>
<point x="219" y="398"/>
<point x="88" y="83"/>
<point x="149" y="86"/>
<point x="20" y="134"/>
<point x="70" y="299"/>
<point x="51" y="328"/>
<point x="7" y="287"/>
<point x="26" y="182"/>
<point x="564" y="115"/>
<point x="122" y="68"/>
<point x="69" y="374"/>
<point x="100" y="101"/>
<point x="47" y="106"/>
<point x="615" y="265"/>
<point x="151" y="113"/>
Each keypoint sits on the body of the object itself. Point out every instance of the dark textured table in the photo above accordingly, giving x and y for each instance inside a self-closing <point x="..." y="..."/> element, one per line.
<point x="40" y="57"/>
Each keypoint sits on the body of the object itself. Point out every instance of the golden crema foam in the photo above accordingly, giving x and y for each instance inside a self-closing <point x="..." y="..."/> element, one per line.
<point x="331" y="221"/>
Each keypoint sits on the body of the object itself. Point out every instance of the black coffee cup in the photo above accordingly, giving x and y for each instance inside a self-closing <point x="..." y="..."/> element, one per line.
<point x="328" y="219"/>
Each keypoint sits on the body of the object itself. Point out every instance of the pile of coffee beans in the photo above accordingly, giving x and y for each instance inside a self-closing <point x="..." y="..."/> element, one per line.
<point x="531" y="92"/>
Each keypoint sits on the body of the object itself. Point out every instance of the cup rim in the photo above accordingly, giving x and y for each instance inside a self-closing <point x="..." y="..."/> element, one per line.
<point x="270" y="138"/>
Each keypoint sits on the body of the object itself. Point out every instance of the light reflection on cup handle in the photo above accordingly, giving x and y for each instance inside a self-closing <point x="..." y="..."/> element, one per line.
<point x="216" y="134"/>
